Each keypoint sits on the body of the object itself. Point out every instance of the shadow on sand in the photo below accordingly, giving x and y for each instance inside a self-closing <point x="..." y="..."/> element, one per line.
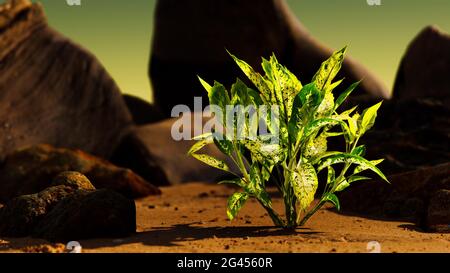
<point x="170" y="236"/>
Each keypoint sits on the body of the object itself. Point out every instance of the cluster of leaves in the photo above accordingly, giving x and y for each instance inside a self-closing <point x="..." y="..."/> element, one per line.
<point x="308" y="116"/>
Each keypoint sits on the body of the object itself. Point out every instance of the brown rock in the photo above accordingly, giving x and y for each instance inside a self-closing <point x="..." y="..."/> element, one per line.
<point x="152" y="147"/>
<point x="424" y="69"/>
<point x="142" y="112"/>
<point x="83" y="215"/>
<point x="407" y="196"/>
<point x="410" y="134"/>
<point x="21" y="215"/>
<point x="32" y="169"/>
<point x="438" y="218"/>
<point x="249" y="29"/>
<point x="52" y="90"/>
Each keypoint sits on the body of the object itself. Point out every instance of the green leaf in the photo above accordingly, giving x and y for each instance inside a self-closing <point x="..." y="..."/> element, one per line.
<point x="235" y="203"/>
<point x="318" y="124"/>
<point x="239" y="93"/>
<point x="203" y="136"/>
<point x="345" y="95"/>
<point x="329" y="69"/>
<point x="200" y="144"/>
<point x="304" y="106"/>
<point x="353" y="127"/>
<point x="350" y="158"/>
<point x="224" y="145"/>
<point x="286" y="85"/>
<point x="367" y="119"/>
<point x="261" y="84"/>
<point x="326" y="108"/>
<point x="342" y="186"/>
<point x="316" y="146"/>
<point x="270" y="153"/>
<point x="211" y="161"/>
<point x="256" y="183"/>
<point x="355" y="178"/>
<point x="219" y="96"/>
<point x="334" y="85"/>
<point x="331" y="176"/>
<point x="236" y="181"/>
<point x="360" y="150"/>
<point x="331" y="197"/>
<point x="362" y="168"/>
<point x="205" y="85"/>
<point x="304" y="182"/>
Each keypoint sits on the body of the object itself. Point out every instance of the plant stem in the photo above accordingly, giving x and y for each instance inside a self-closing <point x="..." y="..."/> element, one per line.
<point x="276" y="219"/>
<point x="312" y="212"/>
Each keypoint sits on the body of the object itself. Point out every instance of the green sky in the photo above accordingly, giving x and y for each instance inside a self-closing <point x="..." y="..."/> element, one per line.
<point x="119" y="32"/>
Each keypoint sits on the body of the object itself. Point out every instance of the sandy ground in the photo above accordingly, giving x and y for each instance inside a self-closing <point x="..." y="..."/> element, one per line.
<point x="191" y="218"/>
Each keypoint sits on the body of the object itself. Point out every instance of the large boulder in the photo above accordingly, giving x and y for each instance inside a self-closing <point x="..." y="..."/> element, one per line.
<point x="88" y="214"/>
<point x="152" y="152"/>
<point x="32" y="169"/>
<point x="70" y="209"/>
<point x="424" y="69"/>
<point x="190" y="38"/>
<point x="142" y="111"/>
<point x="52" y="90"/>
<point x="22" y="214"/>
<point x="410" y="134"/>
<point x="438" y="217"/>
<point x="411" y="195"/>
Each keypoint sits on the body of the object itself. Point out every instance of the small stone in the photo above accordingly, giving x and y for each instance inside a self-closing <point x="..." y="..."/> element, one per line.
<point x="203" y="195"/>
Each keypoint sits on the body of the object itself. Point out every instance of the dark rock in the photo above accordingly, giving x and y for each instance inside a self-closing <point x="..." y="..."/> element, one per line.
<point x="438" y="218"/>
<point x="424" y="69"/>
<point x="74" y="180"/>
<point x="32" y="169"/>
<point x="52" y="90"/>
<point x="410" y="134"/>
<point x="83" y="215"/>
<point x="21" y="215"/>
<point x="249" y="29"/>
<point x="407" y="196"/>
<point x="142" y="112"/>
<point x="153" y="152"/>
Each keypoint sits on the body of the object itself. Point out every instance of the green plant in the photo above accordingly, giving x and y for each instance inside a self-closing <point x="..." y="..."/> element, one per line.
<point x="307" y="117"/>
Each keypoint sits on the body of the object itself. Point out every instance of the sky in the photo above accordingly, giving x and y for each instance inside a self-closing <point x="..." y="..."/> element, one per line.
<point x="119" y="32"/>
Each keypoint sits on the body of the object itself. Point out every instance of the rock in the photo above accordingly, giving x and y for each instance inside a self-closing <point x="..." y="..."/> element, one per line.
<point x="410" y="134"/>
<point x="142" y="112"/>
<point x="423" y="71"/>
<point x="248" y="29"/>
<point x="83" y="215"/>
<point x="32" y="169"/>
<point x="438" y="218"/>
<point x="21" y="215"/>
<point x="52" y="90"/>
<point x="151" y="151"/>
<point x="407" y="196"/>
<point x="74" y="180"/>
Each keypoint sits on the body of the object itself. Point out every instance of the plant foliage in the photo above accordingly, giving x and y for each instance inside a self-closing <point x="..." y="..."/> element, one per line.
<point x="307" y="117"/>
